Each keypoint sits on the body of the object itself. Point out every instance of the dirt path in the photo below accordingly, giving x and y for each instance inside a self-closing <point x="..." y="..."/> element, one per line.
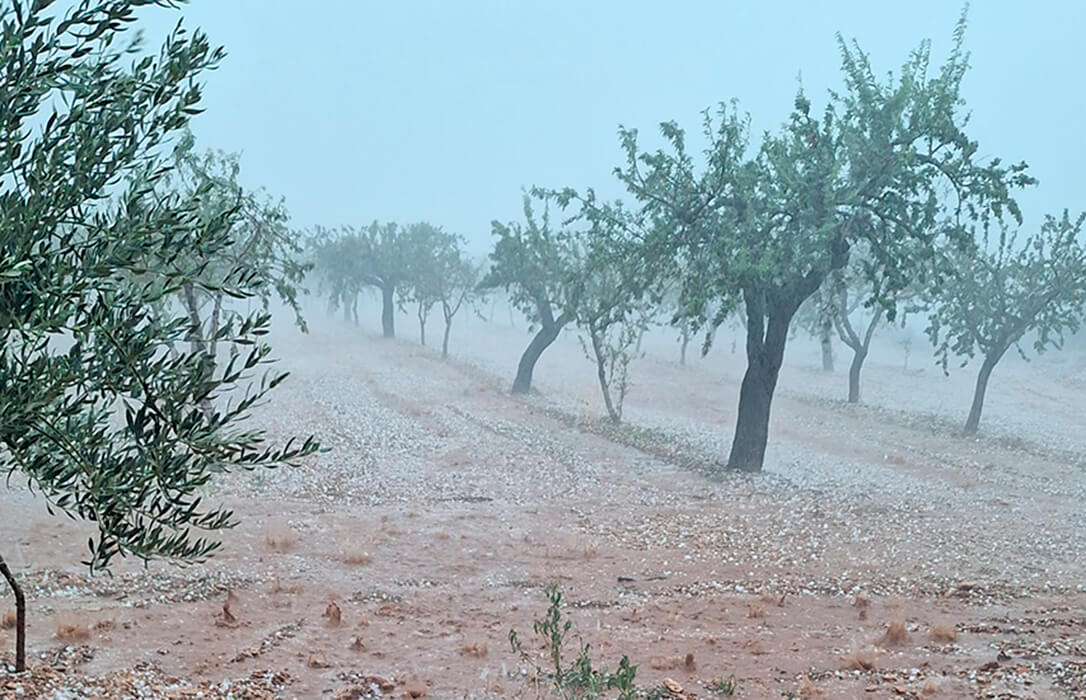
<point x="445" y="506"/>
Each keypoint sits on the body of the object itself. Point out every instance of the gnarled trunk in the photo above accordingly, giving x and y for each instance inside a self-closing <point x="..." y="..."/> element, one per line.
<point x="764" y="357"/>
<point x="388" y="310"/>
<point x="860" y="346"/>
<point x="854" y="369"/>
<point x="20" y="616"/>
<point x="548" y="333"/>
<point x="972" y="423"/>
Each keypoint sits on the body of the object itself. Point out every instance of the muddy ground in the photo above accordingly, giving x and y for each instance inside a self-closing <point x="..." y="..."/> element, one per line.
<point x="397" y="563"/>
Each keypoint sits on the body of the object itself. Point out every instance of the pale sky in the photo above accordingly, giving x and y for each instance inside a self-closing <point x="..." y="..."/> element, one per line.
<point x="440" y="110"/>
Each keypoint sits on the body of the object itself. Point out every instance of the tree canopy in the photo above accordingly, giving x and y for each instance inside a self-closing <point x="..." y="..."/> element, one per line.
<point x="994" y="295"/>
<point x="765" y="230"/>
<point x="542" y="269"/>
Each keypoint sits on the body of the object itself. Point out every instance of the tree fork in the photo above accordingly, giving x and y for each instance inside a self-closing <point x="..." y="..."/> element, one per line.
<point x="767" y="335"/>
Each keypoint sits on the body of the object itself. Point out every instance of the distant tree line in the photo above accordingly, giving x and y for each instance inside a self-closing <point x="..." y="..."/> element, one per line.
<point x="838" y="222"/>
<point x="420" y="265"/>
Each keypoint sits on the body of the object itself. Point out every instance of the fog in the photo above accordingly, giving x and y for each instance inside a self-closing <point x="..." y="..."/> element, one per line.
<point x="444" y="111"/>
<point x="792" y="420"/>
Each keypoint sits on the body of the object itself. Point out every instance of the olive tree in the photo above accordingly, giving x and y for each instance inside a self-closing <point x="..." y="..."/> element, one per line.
<point x="888" y="163"/>
<point x="96" y="414"/>
<point x="996" y="294"/>
<point x="542" y="270"/>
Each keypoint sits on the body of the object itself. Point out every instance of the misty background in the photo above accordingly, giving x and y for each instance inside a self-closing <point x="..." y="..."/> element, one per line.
<point x="356" y="111"/>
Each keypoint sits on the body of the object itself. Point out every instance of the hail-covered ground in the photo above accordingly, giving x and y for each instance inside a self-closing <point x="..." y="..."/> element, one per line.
<point x="880" y="554"/>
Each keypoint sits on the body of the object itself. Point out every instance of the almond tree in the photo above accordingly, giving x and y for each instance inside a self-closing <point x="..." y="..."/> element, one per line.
<point x="995" y="295"/>
<point x="348" y="260"/>
<point x="337" y="259"/>
<point x="888" y="163"/>
<point x="263" y="249"/>
<point x="846" y="300"/>
<point x="426" y="251"/>
<point x="816" y="316"/>
<point x="542" y="269"/>
<point x="616" y="295"/>
<point x="384" y="265"/>
<point x="96" y="413"/>
<point x="437" y="274"/>
<point x="855" y="320"/>
<point x="459" y="286"/>
<point x="611" y="330"/>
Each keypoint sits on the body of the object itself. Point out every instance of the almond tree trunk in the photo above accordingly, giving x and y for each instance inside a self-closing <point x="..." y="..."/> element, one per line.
<point x="422" y="313"/>
<point x="972" y="423"/>
<point x="448" y="312"/>
<point x="388" y="310"/>
<point x="547" y="334"/>
<point x="860" y="346"/>
<point x="769" y="312"/>
<point x="601" y="375"/>
<point x="858" y="357"/>
<point x="826" y="340"/>
<point x="445" y="339"/>
<point x="764" y="358"/>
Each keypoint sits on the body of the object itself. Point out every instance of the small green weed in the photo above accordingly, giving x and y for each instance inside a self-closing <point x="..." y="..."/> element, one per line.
<point x="579" y="680"/>
<point x="725" y="686"/>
